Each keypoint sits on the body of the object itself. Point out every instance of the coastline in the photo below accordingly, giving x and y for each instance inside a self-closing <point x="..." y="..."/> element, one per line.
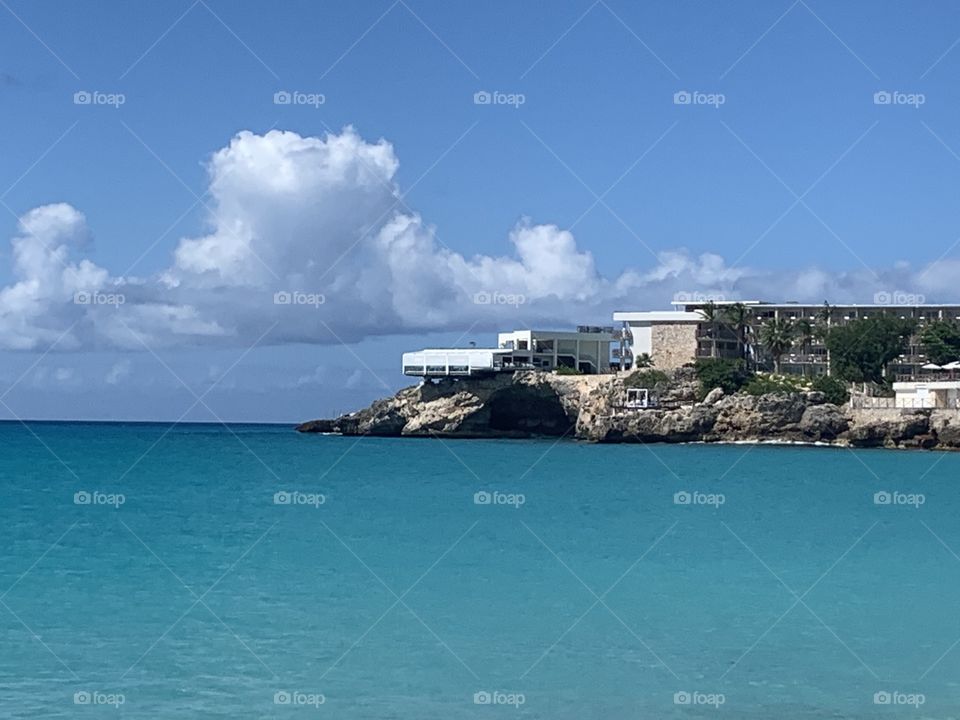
<point x="532" y="404"/>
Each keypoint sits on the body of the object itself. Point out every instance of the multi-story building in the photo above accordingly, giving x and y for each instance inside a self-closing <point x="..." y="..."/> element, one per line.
<point x="702" y="329"/>
<point x="587" y="350"/>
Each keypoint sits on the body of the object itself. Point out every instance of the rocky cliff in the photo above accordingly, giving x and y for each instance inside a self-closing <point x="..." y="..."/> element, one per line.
<point x="532" y="404"/>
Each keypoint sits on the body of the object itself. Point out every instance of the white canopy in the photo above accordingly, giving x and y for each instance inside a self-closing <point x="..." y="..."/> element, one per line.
<point x="955" y="365"/>
<point x="931" y="366"/>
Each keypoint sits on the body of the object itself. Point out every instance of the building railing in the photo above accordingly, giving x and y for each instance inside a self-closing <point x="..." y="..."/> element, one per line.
<point x="864" y="402"/>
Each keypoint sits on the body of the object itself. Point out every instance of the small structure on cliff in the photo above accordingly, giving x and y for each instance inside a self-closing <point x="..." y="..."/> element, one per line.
<point x="932" y="394"/>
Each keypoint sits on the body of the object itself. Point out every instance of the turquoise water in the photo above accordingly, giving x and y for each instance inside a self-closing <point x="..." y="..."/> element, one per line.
<point x="391" y="594"/>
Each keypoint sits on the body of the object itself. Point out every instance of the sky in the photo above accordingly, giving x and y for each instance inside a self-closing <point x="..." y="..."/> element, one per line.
<point x="244" y="211"/>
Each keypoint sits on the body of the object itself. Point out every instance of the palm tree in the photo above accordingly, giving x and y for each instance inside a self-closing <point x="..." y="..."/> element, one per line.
<point x="805" y="332"/>
<point x="822" y="328"/>
<point x="643" y="360"/>
<point x="777" y="336"/>
<point x="711" y="316"/>
<point x="738" y="317"/>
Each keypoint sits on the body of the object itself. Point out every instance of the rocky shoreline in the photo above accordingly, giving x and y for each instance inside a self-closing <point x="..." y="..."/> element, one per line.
<point x="590" y="408"/>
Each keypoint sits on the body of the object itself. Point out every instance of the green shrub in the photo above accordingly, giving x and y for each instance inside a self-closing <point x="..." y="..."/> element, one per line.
<point x="645" y="378"/>
<point x="731" y="375"/>
<point x="763" y="384"/>
<point x="565" y="370"/>
<point x="834" y="390"/>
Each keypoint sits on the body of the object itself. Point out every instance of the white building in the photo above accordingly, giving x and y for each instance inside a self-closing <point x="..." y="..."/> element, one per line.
<point x="587" y="350"/>
<point x="453" y="361"/>
<point x="933" y="394"/>
<point x="669" y="337"/>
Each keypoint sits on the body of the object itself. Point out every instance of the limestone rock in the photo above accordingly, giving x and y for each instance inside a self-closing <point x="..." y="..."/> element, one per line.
<point x="712" y="396"/>
<point x="593" y="408"/>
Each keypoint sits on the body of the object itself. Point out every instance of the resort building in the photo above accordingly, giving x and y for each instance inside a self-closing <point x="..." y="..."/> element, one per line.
<point x="694" y="330"/>
<point x="587" y="350"/>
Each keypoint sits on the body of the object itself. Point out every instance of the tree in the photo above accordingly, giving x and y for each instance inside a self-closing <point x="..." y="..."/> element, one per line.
<point x="643" y="360"/>
<point x="731" y="375"/>
<point x="777" y="337"/>
<point x="738" y="317"/>
<point x="862" y="349"/>
<point x="834" y="390"/>
<point x="805" y="333"/>
<point x="821" y="327"/>
<point x="711" y="316"/>
<point x="941" y="341"/>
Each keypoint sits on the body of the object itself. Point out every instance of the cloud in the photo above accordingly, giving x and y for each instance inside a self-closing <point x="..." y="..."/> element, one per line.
<point x="119" y="372"/>
<point x="307" y="240"/>
<point x="56" y="378"/>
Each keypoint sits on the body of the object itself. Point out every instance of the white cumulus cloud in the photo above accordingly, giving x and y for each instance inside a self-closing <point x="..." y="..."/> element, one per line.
<point x="320" y="222"/>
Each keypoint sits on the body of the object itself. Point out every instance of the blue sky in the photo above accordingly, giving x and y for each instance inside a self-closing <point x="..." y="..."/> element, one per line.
<point x="794" y="184"/>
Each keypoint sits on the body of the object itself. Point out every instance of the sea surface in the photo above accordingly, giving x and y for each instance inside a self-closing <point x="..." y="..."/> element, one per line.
<point x="201" y="571"/>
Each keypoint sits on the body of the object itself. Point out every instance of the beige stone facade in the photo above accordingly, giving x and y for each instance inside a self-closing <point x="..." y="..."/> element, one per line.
<point x="673" y="344"/>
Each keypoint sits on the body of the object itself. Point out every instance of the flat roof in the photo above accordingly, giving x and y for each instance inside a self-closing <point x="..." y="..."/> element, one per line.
<point x="929" y="385"/>
<point x="777" y="306"/>
<point x="458" y="350"/>
<point x="658" y="316"/>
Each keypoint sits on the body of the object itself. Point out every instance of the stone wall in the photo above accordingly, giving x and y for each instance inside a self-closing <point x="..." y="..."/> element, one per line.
<point x="673" y="344"/>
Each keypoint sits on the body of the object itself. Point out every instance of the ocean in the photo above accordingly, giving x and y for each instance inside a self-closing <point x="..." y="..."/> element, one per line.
<point x="159" y="571"/>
